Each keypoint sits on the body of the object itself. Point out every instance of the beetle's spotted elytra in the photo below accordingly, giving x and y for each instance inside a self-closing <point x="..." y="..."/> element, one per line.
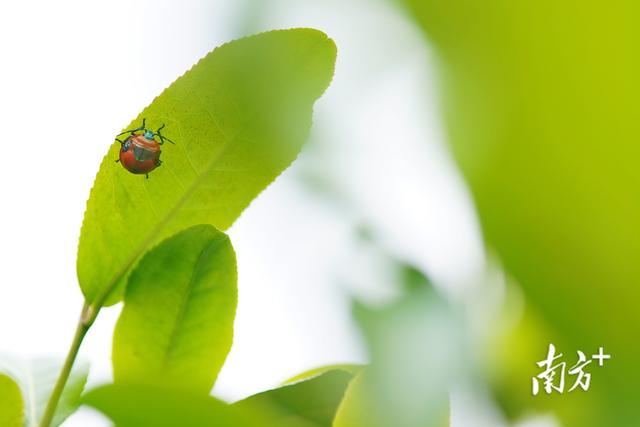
<point x="140" y="151"/>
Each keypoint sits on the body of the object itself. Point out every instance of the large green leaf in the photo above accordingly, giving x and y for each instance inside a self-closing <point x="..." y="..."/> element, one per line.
<point x="144" y="406"/>
<point x="238" y="117"/>
<point x="176" y="326"/>
<point x="36" y="379"/>
<point x="541" y="99"/>
<point x="311" y="402"/>
<point x="11" y="404"/>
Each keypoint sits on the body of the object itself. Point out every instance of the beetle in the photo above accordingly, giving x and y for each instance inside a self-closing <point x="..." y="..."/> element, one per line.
<point x="140" y="152"/>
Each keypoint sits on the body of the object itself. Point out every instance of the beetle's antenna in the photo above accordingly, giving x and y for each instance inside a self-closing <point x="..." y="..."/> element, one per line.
<point x="131" y="131"/>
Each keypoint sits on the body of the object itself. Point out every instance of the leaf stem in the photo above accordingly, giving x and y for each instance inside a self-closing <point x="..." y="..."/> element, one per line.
<point x="87" y="317"/>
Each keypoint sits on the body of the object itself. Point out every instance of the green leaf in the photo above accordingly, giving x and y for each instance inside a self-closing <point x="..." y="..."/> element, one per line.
<point x="541" y="103"/>
<point x="308" y="403"/>
<point x="176" y="326"/>
<point x="141" y="406"/>
<point x="238" y="117"/>
<point x="11" y="404"/>
<point x="36" y="379"/>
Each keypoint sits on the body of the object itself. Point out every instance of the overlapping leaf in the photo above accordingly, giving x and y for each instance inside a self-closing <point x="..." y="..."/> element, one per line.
<point x="176" y="326"/>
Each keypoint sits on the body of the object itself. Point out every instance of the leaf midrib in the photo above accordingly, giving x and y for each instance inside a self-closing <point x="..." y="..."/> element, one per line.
<point x="185" y="299"/>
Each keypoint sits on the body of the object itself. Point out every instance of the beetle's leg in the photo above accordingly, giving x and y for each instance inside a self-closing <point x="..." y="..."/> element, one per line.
<point x="162" y="137"/>
<point x="131" y="131"/>
<point x="121" y="142"/>
<point x="147" y="176"/>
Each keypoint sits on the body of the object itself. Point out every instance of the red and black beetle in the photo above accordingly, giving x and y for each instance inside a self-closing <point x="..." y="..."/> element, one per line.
<point x="140" y="152"/>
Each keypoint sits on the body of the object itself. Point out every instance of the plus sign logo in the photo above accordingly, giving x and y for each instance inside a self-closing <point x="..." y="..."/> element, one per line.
<point x="601" y="357"/>
<point x="553" y="378"/>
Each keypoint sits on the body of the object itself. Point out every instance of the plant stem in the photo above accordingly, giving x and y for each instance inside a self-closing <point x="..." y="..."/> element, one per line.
<point x="87" y="317"/>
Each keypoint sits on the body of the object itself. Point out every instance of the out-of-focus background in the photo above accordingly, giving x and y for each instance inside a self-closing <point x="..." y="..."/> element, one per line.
<point x="375" y="183"/>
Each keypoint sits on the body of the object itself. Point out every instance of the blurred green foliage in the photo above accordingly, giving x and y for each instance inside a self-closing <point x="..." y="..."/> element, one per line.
<point x="541" y="106"/>
<point x="414" y="343"/>
<point x="176" y="327"/>
<point x="238" y="117"/>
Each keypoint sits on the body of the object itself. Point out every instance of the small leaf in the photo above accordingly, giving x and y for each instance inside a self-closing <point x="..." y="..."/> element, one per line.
<point x="36" y="379"/>
<point x="11" y="404"/>
<point x="176" y="326"/>
<point x="239" y="117"/>
<point x="309" y="403"/>
<point x="142" y="406"/>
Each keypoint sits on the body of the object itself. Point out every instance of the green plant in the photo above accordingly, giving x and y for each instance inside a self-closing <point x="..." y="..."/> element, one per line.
<point x="239" y="117"/>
